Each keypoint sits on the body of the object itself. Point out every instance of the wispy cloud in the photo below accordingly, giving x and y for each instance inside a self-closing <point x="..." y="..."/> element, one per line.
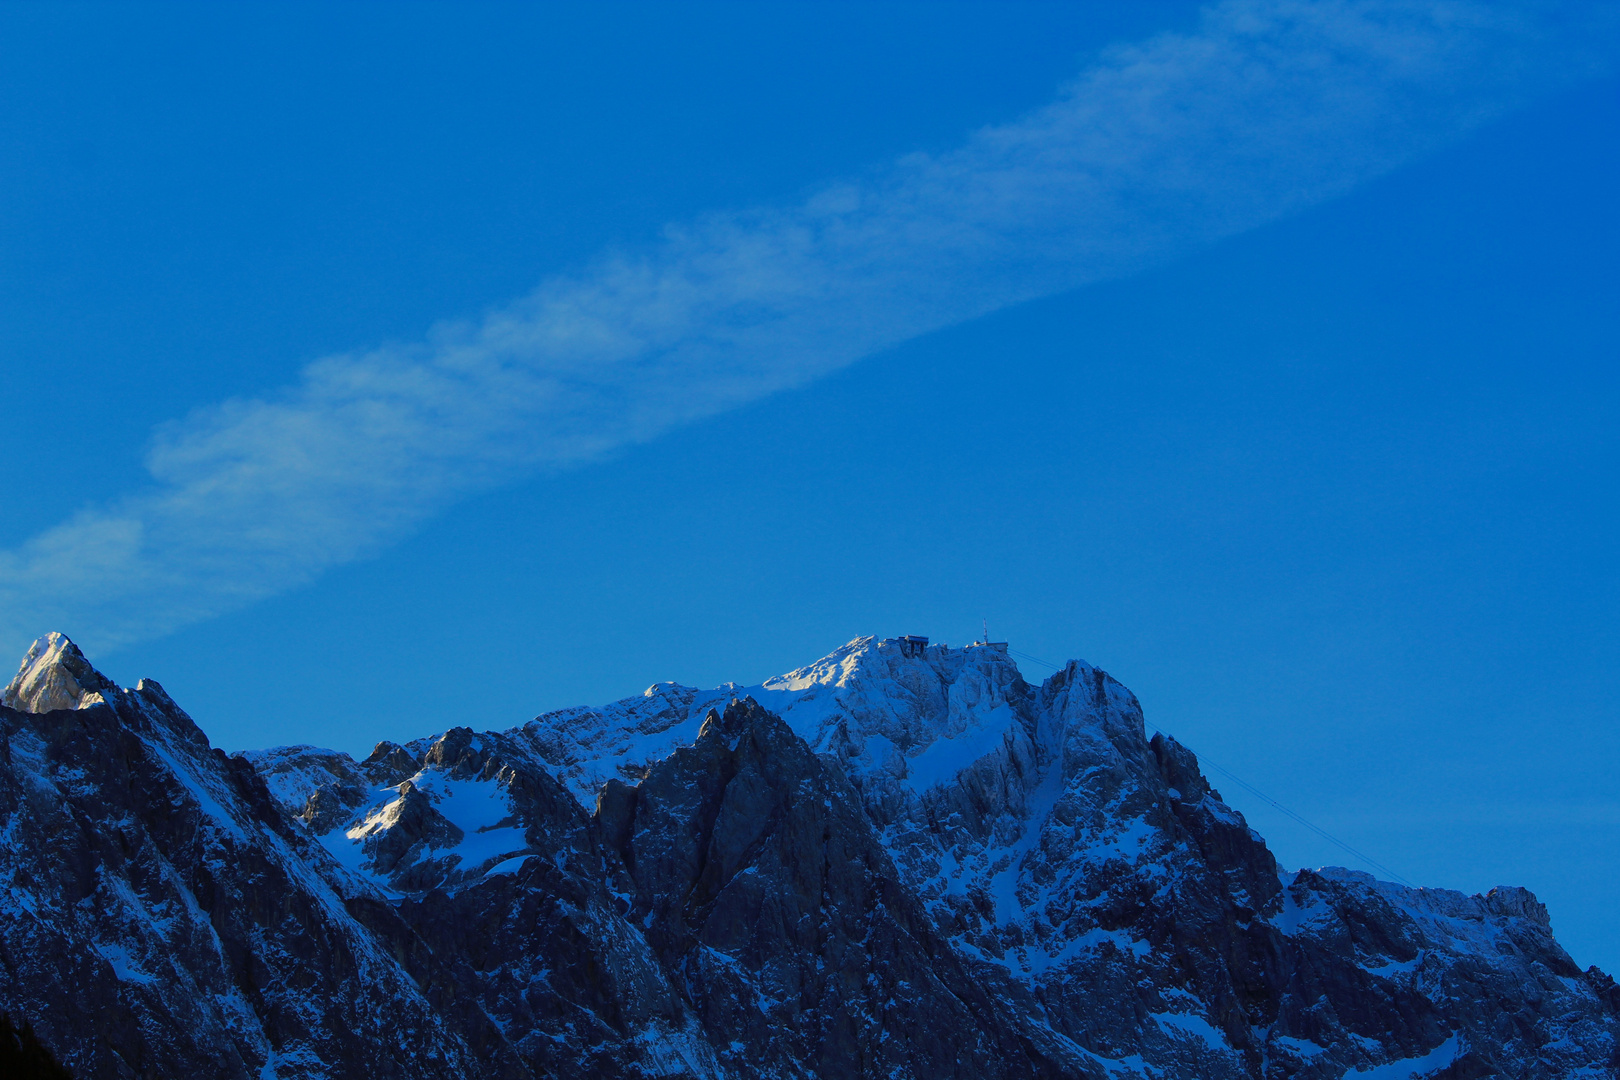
<point x="1160" y="147"/>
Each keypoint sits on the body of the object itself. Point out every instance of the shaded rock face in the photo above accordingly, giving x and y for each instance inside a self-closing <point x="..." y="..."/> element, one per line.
<point x="163" y="916"/>
<point x="885" y="864"/>
<point x="766" y="894"/>
<point x="23" y="1058"/>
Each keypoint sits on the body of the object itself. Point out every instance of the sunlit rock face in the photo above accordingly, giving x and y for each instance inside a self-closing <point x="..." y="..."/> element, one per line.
<point x="54" y="675"/>
<point x="900" y="861"/>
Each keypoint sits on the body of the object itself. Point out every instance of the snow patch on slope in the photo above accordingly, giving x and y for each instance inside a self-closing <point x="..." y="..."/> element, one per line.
<point x="1412" y="1068"/>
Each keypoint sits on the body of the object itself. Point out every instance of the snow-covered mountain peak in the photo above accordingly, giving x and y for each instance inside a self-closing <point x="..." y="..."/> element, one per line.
<point x="55" y="675"/>
<point x="891" y="707"/>
<point x="907" y="692"/>
<point x="835" y="669"/>
<point x="898" y="660"/>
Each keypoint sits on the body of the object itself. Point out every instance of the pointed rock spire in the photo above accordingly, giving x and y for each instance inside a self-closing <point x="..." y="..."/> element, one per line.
<point x="55" y="675"/>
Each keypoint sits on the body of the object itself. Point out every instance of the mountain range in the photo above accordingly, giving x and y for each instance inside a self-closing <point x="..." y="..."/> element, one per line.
<point x="901" y="861"/>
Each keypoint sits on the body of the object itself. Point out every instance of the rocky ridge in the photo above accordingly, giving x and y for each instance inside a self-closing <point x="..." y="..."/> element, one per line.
<point x="897" y="861"/>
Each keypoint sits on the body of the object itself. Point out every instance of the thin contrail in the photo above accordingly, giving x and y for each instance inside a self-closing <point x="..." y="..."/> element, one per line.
<point x="1157" y="149"/>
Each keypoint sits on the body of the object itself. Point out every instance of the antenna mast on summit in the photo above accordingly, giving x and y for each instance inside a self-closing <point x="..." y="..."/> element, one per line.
<point x="985" y="623"/>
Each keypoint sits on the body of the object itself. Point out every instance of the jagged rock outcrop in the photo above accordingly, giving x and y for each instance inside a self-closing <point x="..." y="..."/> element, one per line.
<point x="163" y="916"/>
<point x="54" y="675"/>
<point x="896" y="862"/>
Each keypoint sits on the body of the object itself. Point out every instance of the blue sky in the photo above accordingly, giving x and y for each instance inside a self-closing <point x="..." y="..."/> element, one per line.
<point x="1295" y="413"/>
